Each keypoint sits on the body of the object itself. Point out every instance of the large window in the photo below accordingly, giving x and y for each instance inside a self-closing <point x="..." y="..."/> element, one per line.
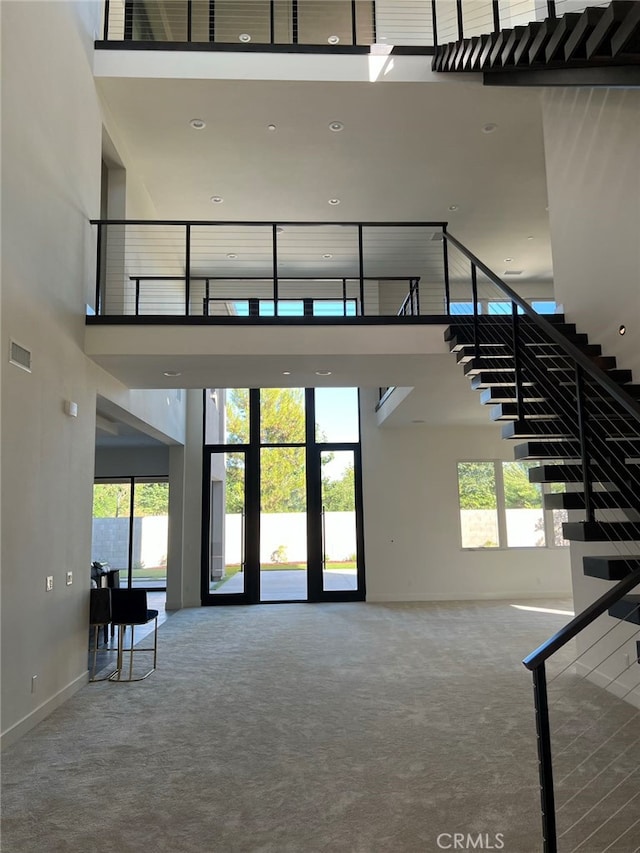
<point x="500" y="508"/>
<point x="130" y="529"/>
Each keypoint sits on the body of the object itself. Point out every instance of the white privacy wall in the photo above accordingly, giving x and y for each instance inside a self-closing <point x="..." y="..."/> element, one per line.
<point x="411" y="519"/>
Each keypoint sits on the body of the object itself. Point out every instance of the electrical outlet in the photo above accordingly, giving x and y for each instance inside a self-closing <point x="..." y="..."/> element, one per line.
<point x="69" y="578"/>
<point x="34" y="683"/>
<point x="49" y="583"/>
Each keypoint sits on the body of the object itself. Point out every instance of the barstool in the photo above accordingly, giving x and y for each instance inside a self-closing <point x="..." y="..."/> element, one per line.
<point x="128" y="609"/>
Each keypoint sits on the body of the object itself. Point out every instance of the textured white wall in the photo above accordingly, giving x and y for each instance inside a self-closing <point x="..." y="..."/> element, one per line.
<point x="592" y="146"/>
<point x="51" y="151"/>
<point x="411" y="520"/>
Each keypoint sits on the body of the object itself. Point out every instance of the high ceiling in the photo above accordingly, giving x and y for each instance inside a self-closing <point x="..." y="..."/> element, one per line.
<point x="409" y="151"/>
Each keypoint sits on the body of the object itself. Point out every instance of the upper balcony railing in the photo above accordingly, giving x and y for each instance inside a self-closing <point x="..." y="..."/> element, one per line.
<point x="416" y="25"/>
<point x="229" y="270"/>
<point x="148" y="271"/>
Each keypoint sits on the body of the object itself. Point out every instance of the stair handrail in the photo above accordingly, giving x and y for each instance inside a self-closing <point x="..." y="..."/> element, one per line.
<point x="616" y="391"/>
<point x="582" y="621"/>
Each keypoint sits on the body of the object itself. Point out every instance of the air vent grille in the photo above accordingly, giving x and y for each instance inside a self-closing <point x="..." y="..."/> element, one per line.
<point x="512" y="272"/>
<point x="20" y="356"/>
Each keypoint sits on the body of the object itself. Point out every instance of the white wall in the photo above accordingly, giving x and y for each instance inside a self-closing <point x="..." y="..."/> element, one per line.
<point x="411" y="520"/>
<point x="51" y="146"/>
<point x="592" y="146"/>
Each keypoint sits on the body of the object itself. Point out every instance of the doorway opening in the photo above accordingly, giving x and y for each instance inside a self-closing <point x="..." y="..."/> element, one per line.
<point x="282" y="496"/>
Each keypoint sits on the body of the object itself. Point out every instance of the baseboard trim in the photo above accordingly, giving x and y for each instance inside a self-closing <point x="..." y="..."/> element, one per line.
<point x="528" y="595"/>
<point x="616" y="688"/>
<point x="17" y="730"/>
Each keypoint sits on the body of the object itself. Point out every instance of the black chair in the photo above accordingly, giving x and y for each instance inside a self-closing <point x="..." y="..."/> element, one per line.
<point x="99" y="617"/>
<point x="128" y="609"/>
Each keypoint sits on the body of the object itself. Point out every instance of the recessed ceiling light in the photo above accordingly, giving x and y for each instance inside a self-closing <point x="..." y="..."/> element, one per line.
<point x="334" y="201"/>
<point x="490" y="127"/>
<point x="336" y="126"/>
<point x="418" y="421"/>
<point x="530" y="237"/>
<point x="333" y="39"/>
<point x="508" y="260"/>
<point x="245" y="37"/>
<point x="323" y="373"/>
<point x="271" y="127"/>
<point x="286" y="373"/>
<point x="172" y="373"/>
<point x="197" y="124"/>
<point x="453" y="207"/>
<point x="232" y="256"/>
<point x="327" y="256"/>
<point x="216" y="199"/>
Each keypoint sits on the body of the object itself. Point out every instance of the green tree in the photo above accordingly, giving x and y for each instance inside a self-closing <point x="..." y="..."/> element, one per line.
<point x="151" y="499"/>
<point x="111" y="500"/>
<point x="519" y="493"/>
<point x="477" y="485"/>
<point x="338" y="495"/>
<point x="282" y="469"/>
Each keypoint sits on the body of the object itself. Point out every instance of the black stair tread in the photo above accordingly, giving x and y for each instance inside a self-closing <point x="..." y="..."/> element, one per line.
<point x="555" y="45"/>
<point x="626" y="37"/>
<point x="533" y="429"/>
<point x="571" y="472"/>
<point x="490" y="379"/>
<point x="600" y="500"/>
<point x="599" y="42"/>
<point x="508" y="52"/>
<point x="627" y="609"/>
<point x="468" y="352"/>
<point x="556" y="474"/>
<point x="507" y="394"/>
<point x="576" y="45"/>
<point x="541" y="39"/>
<point x="509" y="411"/>
<point x="489" y="41"/>
<point x="613" y="568"/>
<point x="547" y="450"/>
<point x="619" y="375"/>
<point x="467" y="59"/>
<point x="498" y="47"/>
<point x="521" y="55"/>
<point x="601" y="531"/>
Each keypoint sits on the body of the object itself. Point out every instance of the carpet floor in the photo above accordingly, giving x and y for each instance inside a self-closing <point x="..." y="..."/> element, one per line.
<point x="362" y="728"/>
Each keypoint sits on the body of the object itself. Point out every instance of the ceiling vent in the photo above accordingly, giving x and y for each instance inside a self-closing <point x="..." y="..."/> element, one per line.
<point x="20" y="356"/>
<point x="512" y="272"/>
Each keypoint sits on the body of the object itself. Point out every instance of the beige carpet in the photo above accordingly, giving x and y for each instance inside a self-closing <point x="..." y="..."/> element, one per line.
<point x="293" y="728"/>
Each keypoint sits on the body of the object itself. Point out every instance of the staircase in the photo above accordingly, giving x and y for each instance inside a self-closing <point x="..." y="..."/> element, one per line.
<point x="580" y="433"/>
<point x="603" y="40"/>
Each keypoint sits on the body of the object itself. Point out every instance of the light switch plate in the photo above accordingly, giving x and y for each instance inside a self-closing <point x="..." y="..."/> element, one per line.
<point x="49" y="583"/>
<point x="69" y="578"/>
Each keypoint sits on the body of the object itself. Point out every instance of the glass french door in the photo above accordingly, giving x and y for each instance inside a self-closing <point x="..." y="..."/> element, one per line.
<point x="282" y="508"/>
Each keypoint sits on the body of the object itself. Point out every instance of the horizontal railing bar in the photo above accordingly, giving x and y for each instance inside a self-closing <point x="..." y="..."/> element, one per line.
<point x="582" y="621"/>
<point x="339" y="278"/>
<point x="266" y="223"/>
<point x="616" y="391"/>
<point x="260" y="47"/>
